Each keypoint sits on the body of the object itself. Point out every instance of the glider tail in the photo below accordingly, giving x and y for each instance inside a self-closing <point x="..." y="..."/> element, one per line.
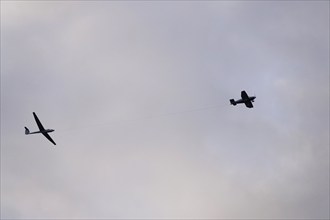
<point x="27" y="131"/>
<point x="232" y="101"/>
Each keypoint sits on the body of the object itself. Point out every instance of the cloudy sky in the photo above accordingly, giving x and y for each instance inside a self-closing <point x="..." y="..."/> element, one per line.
<point x="138" y="94"/>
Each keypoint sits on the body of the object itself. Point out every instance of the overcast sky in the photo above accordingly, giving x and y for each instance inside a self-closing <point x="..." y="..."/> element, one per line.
<point x="138" y="94"/>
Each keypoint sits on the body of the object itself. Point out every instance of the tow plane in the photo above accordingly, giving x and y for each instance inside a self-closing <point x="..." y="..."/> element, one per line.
<point x="42" y="130"/>
<point x="247" y="100"/>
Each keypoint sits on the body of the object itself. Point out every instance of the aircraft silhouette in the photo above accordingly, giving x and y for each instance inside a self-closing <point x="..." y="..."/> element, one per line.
<point x="42" y="130"/>
<point x="247" y="100"/>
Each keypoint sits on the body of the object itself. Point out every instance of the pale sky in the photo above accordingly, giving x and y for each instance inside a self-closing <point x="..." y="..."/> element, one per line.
<point x="138" y="94"/>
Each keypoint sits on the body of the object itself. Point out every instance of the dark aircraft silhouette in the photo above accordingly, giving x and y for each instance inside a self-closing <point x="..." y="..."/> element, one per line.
<point x="247" y="100"/>
<point x="42" y="130"/>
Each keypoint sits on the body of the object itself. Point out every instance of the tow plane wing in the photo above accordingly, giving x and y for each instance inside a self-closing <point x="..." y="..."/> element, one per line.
<point x="244" y="95"/>
<point x="247" y="100"/>
<point x="248" y="104"/>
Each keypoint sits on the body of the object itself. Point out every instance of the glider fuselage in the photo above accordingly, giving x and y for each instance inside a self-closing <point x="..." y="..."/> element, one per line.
<point x="42" y="132"/>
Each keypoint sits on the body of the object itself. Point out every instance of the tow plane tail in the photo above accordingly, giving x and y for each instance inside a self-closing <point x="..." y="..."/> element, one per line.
<point x="27" y="131"/>
<point x="232" y="101"/>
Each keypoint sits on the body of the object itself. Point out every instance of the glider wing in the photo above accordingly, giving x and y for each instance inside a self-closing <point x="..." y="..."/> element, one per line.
<point x="49" y="138"/>
<point x="41" y="128"/>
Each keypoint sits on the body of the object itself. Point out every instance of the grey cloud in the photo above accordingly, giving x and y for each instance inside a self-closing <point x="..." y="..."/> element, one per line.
<point x="124" y="85"/>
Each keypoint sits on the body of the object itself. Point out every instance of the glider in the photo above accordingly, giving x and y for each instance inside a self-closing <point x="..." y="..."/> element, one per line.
<point x="42" y="130"/>
<point x="247" y="100"/>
